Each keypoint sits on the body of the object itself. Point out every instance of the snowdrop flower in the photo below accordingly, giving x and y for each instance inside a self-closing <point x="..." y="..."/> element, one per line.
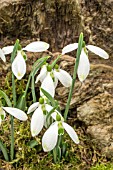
<point x="4" y="51"/>
<point x="38" y="119"/>
<point x="50" y="137"/>
<point x="17" y="113"/>
<point x="37" y="46"/>
<point x="84" y="65"/>
<point x="49" y="78"/>
<point x="63" y="76"/>
<point x="19" y="65"/>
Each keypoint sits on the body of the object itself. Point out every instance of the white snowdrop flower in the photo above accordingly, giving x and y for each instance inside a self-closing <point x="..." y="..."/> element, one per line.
<point x="38" y="119"/>
<point x="17" y="113"/>
<point x="50" y="137"/>
<point x="84" y="65"/>
<point x="19" y="66"/>
<point x="49" y="78"/>
<point x="4" y="51"/>
<point x="63" y="76"/>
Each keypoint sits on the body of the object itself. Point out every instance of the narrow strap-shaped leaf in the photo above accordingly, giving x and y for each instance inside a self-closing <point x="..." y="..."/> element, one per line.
<point x="55" y="61"/>
<point x="4" y="151"/>
<point x="53" y="102"/>
<point x="21" y="103"/>
<point x="14" y="50"/>
<point x="49" y="114"/>
<point x="39" y="60"/>
<point x="40" y="63"/>
<point x="6" y="98"/>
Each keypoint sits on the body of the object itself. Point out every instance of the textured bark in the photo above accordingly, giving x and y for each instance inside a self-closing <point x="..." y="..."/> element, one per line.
<point x="59" y="23"/>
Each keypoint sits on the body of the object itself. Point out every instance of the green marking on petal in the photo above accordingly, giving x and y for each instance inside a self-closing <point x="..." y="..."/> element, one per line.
<point x="19" y="74"/>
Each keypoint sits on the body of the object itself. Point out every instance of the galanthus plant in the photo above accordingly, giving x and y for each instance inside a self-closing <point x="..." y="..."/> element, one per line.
<point x="46" y="113"/>
<point x="84" y="65"/>
<point x="18" y="57"/>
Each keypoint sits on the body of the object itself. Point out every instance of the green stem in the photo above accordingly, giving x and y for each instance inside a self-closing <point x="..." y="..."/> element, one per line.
<point x="12" y="119"/>
<point x="14" y="100"/>
<point x="33" y="89"/>
<point x="55" y="155"/>
<point x="28" y="82"/>
<point x="12" y="138"/>
<point x="74" y="75"/>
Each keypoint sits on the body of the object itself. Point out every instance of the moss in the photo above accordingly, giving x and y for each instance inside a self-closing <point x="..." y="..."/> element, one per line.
<point x="102" y="166"/>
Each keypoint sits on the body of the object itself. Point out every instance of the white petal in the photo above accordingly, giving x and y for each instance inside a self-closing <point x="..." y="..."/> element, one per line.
<point x="42" y="74"/>
<point x="48" y="85"/>
<point x="50" y="137"/>
<point x="64" y="77"/>
<point x="98" y="51"/>
<point x="55" y="82"/>
<point x="84" y="66"/>
<point x="71" y="132"/>
<point x="33" y="107"/>
<point x="37" y="121"/>
<point x="7" y="49"/>
<point x="69" y="48"/>
<point x="2" y="56"/>
<point x="17" y="113"/>
<point x="19" y="66"/>
<point x="37" y="46"/>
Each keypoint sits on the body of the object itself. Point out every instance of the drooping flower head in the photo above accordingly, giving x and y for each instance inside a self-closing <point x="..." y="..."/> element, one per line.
<point x="50" y="137"/>
<point x="49" y="78"/>
<point x="38" y="119"/>
<point x="84" y="65"/>
<point x="17" y="113"/>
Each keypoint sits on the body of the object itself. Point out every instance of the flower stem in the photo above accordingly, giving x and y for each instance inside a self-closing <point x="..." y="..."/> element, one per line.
<point x="33" y="89"/>
<point x="14" y="100"/>
<point x="74" y="75"/>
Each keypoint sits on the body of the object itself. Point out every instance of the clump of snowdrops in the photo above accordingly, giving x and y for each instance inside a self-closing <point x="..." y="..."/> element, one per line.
<point x="46" y="111"/>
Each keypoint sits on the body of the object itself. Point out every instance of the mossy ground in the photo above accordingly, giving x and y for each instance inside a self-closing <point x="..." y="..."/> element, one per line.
<point x="28" y="156"/>
<point x="85" y="156"/>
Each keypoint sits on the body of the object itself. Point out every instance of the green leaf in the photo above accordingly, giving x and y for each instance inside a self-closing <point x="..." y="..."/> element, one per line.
<point x="53" y="102"/>
<point x="21" y="103"/>
<point x="4" y="151"/>
<point x="49" y="114"/>
<point x="6" y="98"/>
<point x="32" y="143"/>
<point x="64" y="148"/>
<point x="38" y="64"/>
<point x="59" y="153"/>
<point x="14" y="50"/>
<point x="55" y="61"/>
<point x="40" y="60"/>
